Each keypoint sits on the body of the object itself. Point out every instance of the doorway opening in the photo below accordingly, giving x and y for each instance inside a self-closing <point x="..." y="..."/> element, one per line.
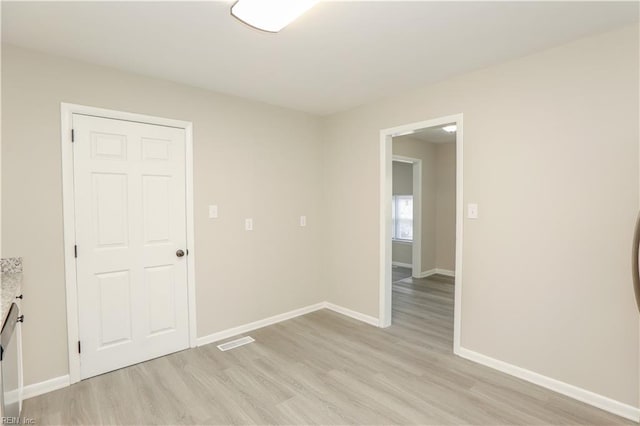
<point x="421" y="220"/>
<point x="406" y="216"/>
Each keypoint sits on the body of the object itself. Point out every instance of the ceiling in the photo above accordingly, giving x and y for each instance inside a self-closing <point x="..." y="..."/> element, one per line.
<point x="337" y="56"/>
<point x="434" y="135"/>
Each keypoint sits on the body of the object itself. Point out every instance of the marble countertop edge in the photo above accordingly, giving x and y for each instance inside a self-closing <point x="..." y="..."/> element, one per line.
<point x="11" y="284"/>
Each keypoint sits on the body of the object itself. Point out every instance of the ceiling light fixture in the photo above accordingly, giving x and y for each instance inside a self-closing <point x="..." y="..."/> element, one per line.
<point x="450" y="129"/>
<point x="270" y="15"/>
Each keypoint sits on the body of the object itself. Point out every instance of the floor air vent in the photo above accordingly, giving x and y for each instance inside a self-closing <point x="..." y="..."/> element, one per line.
<point x="235" y="343"/>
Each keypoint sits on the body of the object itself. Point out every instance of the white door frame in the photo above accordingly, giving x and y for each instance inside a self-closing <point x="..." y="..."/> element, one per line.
<point x="73" y="326"/>
<point x="416" y="188"/>
<point x="386" y="156"/>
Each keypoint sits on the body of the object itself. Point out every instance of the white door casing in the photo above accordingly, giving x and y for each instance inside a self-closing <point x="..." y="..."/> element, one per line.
<point x="130" y="220"/>
<point x="386" y="158"/>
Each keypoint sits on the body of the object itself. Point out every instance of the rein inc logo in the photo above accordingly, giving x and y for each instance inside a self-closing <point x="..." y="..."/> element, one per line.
<point x="18" y="421"/>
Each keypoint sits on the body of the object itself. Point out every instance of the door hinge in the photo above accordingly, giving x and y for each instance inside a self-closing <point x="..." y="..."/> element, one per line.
<point x="75" y="251"/>
<point x="79" y="347"/>
<point x="73" y="136"/>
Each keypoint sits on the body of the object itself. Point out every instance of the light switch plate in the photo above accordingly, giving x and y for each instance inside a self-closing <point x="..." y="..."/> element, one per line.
<point x="303" y="221"/>
<point x="248" y="224"/>
<point x="213" y="212"/>
<point x="472" y="211"/>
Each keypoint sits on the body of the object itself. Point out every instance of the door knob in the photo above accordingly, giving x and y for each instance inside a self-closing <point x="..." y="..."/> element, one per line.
<point x="180" y="253"/>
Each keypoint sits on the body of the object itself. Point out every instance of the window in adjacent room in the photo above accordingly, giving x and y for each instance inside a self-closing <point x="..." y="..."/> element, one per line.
<point x="402" y="214"/>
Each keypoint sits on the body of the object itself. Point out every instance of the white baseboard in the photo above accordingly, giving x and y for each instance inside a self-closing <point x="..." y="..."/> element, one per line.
<point x="50" y="385"/>
<point x="588" y="397"/>
<point x="425" y="274"/>
<point x="353" y="314"/>
<point x="205" y="340"/>
<point x="402" y="265"/>
<point x="63" y="381"/>
<point x="446" y="272"/>
<point x="434" y="271"/>
<point x="230" y="332"/>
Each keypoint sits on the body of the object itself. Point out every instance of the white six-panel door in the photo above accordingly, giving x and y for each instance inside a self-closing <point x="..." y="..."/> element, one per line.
<point x="130" y="209"/>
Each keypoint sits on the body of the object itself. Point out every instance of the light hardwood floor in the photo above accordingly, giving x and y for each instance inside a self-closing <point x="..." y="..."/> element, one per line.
<point x="322" y="368"/>
<point x="399" y="273"/>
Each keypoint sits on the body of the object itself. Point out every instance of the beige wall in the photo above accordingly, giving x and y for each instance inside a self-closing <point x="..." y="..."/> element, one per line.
<point x="402" y="185"/>
<point x="446" y="206"/>
<point x="251" y="159"/>
<point x="402" y="252"/>
<point x="1" y="252"/>
<point x="551" y="157"/>
<point x="402" y="178"/>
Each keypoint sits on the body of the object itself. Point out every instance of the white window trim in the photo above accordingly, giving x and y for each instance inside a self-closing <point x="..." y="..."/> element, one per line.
<point x="393" y="231"/>
<point x="416" y="243"/>
<point x="400" y="240"/>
